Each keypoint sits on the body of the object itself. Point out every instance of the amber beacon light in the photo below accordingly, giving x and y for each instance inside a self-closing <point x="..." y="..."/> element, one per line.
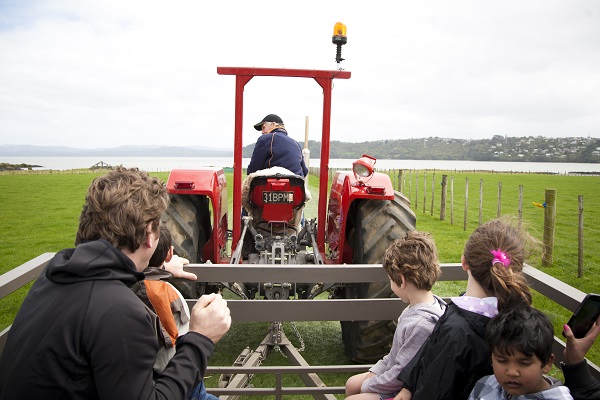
<point x="339" y="39"/>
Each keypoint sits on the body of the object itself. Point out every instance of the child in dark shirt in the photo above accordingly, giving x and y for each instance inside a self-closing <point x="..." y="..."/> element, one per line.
<point x="168" y="304"/>
<point x="520" y="339"/>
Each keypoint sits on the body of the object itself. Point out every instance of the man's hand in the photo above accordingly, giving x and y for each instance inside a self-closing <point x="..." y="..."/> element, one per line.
<point x="577" y="348"/>
<point x="211" y="317"/>
<point x="404" y="394"/>
<point x="175" y="266"/>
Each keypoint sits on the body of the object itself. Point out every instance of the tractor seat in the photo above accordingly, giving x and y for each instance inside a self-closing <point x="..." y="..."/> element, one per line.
<point x="278" y="197"/>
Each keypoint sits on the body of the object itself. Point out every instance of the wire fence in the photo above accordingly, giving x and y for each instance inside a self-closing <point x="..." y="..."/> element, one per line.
<point x="560" y="210"/>
<point x="565" y="219"/>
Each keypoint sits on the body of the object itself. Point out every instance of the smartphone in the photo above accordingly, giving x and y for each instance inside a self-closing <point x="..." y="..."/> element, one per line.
<point x="586" y="314"/>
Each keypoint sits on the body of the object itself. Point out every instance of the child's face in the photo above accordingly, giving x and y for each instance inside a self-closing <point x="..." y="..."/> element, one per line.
<point x="520" y="374"/>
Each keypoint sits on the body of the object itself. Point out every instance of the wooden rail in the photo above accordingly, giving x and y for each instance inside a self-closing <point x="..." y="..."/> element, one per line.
<point x="313" y="310"/>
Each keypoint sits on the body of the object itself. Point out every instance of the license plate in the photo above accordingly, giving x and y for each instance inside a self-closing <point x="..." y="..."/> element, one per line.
<point x="278" y="197"/>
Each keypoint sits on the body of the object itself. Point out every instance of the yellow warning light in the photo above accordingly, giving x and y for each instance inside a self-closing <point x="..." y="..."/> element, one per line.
<point x="339" y="29"/>
<point x="339" y="39"/>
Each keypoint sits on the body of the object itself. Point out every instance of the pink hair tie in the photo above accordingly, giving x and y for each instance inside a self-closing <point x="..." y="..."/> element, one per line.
<point x="501" y="257"/>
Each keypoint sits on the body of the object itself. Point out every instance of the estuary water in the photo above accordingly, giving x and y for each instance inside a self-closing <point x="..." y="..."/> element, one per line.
<point x="160" y="164"/>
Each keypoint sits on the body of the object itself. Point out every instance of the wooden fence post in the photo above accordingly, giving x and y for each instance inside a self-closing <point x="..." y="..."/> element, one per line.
<point x="549" y="223"/>
<point x="401" y="181"/>
<point x="432" y="192"/>
<point x="424" y="191"/>
<point x="520" y="206"/>
<point x="580" y="239"/>
<point x="443" y="201"/>
<point x="410" y="183"/>
<point x="452" y="200"/>
<point x="466" y="203"/>
<point x="499" y="199"/>
<point x="416" y="190"/>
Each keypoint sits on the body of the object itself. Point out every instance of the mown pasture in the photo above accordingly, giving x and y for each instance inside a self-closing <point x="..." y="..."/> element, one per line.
<point x="39" y="213"/>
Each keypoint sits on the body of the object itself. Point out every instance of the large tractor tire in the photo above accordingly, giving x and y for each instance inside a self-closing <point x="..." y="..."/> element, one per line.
<point x="376" y="225"/>
<point x="185" y="218"/>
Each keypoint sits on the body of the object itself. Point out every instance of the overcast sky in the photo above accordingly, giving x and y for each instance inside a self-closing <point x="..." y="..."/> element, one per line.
<point x="104" y="73"/>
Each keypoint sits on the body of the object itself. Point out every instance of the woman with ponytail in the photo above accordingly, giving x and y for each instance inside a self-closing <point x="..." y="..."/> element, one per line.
<point x="456" y="354"/>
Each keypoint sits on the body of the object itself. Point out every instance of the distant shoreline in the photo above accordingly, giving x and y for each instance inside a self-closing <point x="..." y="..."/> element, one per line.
<point x="166" y="164"/>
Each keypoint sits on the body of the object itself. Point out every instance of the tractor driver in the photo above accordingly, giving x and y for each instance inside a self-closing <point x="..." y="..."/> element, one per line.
<point x="274" y="148"/>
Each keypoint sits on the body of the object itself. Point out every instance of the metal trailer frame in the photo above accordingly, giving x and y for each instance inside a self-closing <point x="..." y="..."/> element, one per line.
<point x="314" y="310"/>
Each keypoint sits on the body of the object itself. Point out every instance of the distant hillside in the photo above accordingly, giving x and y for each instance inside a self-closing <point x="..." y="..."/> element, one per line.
<point x="127" y="151"/>
<point x="498" y="148"/>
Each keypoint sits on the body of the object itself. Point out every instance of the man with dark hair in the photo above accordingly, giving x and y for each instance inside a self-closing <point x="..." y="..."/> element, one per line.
<point x="82" y="333"/>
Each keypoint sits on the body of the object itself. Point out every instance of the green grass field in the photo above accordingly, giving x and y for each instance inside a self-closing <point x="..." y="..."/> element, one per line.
<point x="39" y="213"/>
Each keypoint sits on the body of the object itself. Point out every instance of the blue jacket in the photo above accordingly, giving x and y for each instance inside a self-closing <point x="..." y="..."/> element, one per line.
<point x="277" y="149"/>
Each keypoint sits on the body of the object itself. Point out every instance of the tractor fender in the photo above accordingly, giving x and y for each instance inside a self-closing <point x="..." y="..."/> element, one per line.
<point x="345" y="190"/>
<point x="209" y="182"/>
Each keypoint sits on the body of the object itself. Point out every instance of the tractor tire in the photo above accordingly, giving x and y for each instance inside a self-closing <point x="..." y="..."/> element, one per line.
<point x="184" y="218"/>
<point x="377" y="224"/>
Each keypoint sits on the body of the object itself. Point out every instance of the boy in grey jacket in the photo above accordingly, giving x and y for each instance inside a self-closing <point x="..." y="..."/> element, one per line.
<point x="412" y="266"/>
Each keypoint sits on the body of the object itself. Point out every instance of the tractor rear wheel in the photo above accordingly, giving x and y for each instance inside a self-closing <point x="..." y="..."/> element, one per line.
<point x="377" y="224"/>
<point x="184" y="219"/>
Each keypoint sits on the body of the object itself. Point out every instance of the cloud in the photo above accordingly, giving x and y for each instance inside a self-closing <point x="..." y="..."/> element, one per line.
<point x="96" y="73"/>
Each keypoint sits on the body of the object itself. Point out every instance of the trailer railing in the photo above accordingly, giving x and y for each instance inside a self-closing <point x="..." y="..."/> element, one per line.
<point x="313" y="310"/>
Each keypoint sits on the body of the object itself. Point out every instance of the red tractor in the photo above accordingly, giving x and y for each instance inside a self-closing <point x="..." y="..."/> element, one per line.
<point x="360" y="218"/>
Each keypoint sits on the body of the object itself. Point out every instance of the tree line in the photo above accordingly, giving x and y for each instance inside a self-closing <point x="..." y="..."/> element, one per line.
<point x="498" y="148"/>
